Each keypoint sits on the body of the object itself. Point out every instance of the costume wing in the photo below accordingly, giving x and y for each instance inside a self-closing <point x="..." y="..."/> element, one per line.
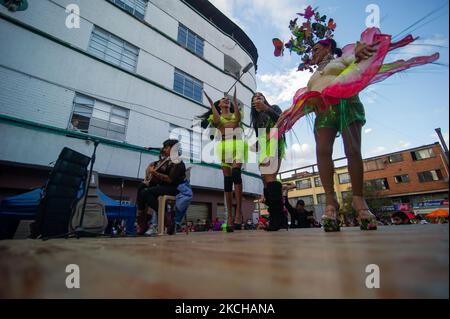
<point x="353" y="79"/>
<point x="357" y="76"/>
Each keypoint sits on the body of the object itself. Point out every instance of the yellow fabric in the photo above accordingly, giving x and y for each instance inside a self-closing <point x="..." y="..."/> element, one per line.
<point x="232" y="150"/>
<point x="224" y="120"/>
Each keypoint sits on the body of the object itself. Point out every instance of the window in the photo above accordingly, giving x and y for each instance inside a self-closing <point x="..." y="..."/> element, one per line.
<point x="374" y="165"/>
<point x="344" y="178"/>
<point x="191" y="146"/>
<point x="395" y="158"/>
<point x="99" y="118"/>
<point x="378" y="184"/>
<point x="304" y="184"/>
<point x="110" y="48"/>
<point x="401" y="179"/>
<point x="188" y="86"/>
<point x="430" y="176"/>
<point x="232" y="66"/>
<point x="422" y="154"/>
<point x="317" y="182"/>
<point x="322" y="198"/>
<point x="190" y="40"/>
<point x="309" y="200"/>
<point x="135" y="7"/>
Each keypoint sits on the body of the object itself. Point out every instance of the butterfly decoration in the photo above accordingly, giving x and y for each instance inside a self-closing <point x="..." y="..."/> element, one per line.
<point x="331" y="24"/>
<point x="293" y="24"/>
<point x="319" y="18"/>
<point x="305" y="34"/>
<point x="308" y="14"/>
<point x="279" y="47"/>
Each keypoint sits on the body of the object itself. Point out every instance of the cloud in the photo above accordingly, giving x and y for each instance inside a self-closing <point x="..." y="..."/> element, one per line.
<point x="277" y="13"/>
<point x="280" y="87"/>
<point x="403" y="144"/>
<point x="369" y="95"/>
<point x="378" y="150"/>
<point x="368" y="130"/>
<point x="298" y="155"/>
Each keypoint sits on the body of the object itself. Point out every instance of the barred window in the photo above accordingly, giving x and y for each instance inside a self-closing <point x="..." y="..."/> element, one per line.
<point x="317" y="182"/>
<point x="344" y="178"/>
<point x="378" y="184"/>
<point x="309" y="200"/>
<point x="430" y="176"/>
<point x="322" y="198"/>
<point x="135" y="7"/>
<point x="396" y="158"/>
<point x="188" y="86"/>
<point x="190" y="40"/>
<point x="110" y="48"/>
<point x="374" y="165"/>
<point x="422" y="154"/>
<point x="401" y="179"/>
<point x="99" y="118"/>
<point x="304" y="184"/>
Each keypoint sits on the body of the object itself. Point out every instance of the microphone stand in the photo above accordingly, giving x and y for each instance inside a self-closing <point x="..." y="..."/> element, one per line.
<point x="79" y="231"/>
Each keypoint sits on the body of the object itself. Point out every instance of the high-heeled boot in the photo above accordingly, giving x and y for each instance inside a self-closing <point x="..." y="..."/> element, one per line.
<point x="274" y="201"/>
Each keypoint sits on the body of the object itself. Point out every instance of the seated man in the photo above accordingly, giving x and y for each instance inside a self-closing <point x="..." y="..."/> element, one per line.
<point x="162" y="178"/>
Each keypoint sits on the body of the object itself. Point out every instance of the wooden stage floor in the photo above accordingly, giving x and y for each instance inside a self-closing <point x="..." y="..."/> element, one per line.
<point x="299" y="263"/>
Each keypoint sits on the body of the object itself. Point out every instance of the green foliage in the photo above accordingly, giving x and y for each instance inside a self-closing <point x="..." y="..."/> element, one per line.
<point x="374" y="199"/>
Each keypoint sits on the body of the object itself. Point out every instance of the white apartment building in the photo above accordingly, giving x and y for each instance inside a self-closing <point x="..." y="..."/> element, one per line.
<point x="130" y="73"/>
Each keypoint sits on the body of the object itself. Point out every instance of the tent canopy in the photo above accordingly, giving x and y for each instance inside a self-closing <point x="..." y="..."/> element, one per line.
<point x="26" y="205"/>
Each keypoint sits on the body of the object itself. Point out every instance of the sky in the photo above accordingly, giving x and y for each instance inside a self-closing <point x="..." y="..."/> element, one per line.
<point x="402" y="112"/>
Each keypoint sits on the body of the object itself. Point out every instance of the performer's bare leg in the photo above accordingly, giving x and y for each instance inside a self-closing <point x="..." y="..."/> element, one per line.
<point x="352" y="145"/>
<point x="325" y="138"/>
<point x="228" y="197"/>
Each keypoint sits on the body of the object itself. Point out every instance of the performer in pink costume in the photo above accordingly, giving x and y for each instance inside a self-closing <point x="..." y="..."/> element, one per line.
<point x="332" y="94"/>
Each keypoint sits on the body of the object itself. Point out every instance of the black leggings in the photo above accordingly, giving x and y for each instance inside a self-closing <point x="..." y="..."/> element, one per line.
<point x="149" y="195"/>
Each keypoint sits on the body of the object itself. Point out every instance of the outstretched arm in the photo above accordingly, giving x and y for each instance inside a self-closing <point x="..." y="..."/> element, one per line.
<point x="216" y="115"/>
<point x="237" y="111"/>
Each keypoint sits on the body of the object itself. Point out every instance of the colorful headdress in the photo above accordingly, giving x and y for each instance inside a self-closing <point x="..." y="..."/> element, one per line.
<point x="314" y="30"/>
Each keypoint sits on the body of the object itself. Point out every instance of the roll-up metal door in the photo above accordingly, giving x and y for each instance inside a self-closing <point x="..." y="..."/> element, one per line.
<point x="198" y="211"/>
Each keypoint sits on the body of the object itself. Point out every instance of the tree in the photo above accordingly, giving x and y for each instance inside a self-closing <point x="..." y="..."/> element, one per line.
<point x="374" y="198"/>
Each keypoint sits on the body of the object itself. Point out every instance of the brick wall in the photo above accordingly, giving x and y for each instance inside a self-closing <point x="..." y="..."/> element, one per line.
<point x="411" y="168"/>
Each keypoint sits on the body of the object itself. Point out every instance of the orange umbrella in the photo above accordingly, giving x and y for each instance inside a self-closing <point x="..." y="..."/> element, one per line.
<point x="438" y="213"/>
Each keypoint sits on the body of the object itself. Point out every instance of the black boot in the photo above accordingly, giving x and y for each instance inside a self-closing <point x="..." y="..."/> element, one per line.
<point x="274" y="201"/>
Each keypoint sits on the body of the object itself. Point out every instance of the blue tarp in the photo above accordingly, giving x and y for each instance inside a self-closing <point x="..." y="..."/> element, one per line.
<point x="25" y="205"/>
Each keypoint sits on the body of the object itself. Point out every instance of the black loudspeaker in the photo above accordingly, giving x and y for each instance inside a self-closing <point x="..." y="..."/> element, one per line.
<point x="60" y="194"/>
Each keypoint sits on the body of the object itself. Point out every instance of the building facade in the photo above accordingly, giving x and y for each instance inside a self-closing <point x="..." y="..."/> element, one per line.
<point x="127" y="73"/>
<point x="413" y="179"/>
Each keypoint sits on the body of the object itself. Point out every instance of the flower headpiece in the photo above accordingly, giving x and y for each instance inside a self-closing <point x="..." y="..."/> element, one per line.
<point x="304" y="36"/>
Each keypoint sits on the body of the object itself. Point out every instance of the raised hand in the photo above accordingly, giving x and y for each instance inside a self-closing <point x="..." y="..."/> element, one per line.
<point x="364" y="51"/>
<point x="209" y="99"/>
